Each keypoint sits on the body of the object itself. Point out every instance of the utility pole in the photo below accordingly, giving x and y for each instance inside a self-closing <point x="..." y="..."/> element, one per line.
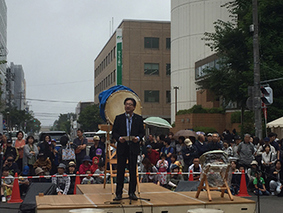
<point x="176" y="88"/>
<point x="257" y="93"/>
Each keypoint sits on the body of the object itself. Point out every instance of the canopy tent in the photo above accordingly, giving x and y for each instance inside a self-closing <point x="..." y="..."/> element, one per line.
<point x="276" y="126"/>
<point x="157" y="122"/>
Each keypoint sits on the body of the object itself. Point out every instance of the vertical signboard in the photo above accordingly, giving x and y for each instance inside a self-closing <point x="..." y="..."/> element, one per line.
<point x="119" y="56"/>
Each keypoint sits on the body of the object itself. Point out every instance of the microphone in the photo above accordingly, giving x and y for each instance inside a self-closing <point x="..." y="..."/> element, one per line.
<point x="128" y="116"/>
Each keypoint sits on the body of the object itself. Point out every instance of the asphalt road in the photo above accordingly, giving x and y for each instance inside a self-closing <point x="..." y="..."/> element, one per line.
<point x="267" y="204"/>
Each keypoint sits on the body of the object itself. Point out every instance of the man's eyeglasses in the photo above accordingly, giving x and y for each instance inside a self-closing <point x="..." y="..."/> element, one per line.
<point x="128" y="104"/>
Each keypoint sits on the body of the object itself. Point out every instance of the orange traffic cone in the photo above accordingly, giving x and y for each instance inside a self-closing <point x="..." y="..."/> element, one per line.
<point x="16" y="197"/>
<point x="191" y="177"/>
<point x="78" y="181"/>
<point x="243" y="192"/>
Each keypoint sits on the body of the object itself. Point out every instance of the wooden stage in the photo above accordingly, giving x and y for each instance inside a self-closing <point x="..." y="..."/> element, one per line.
<point x="161" y="201"/>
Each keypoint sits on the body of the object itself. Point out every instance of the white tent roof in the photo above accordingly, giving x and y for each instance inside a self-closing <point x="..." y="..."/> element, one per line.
<point x="276" y="123"/>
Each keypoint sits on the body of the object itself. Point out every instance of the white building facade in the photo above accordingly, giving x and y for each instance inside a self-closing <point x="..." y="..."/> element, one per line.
<point x="190" y="19"/>
<point x="3" y="46"/>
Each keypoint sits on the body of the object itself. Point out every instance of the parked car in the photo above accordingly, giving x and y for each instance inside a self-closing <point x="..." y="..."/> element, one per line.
<point x="89" y="137"/>
<point x="54" y="135"/>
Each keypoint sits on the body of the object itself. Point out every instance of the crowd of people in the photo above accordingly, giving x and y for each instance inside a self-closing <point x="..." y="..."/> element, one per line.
<point x="260" y="159"/>
<point x="27" y="157"/>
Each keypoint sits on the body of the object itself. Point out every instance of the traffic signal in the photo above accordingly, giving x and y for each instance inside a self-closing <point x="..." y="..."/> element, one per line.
<point x="267" y="95"/>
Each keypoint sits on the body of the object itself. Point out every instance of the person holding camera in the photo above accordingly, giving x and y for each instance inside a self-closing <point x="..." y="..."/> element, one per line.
<point x="11" y="165"/>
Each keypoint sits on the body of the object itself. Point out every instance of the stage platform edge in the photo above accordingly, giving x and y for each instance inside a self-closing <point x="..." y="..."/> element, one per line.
<point x="161" y="201"/>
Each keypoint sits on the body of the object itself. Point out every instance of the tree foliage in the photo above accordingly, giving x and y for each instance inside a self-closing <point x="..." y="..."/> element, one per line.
<point x="232" y="41"/>
<point x="90" y="118"/>
<point x="21" y="119"/>
<point x="63" y="123"/>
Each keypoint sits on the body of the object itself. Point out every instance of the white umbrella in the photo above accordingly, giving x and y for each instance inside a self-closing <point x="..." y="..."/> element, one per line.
<point x="158" y="122"/>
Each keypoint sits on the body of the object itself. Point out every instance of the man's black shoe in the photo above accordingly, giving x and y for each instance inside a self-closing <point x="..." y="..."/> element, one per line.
<point x="133" y="197"/>
<point x="118" y="197"/>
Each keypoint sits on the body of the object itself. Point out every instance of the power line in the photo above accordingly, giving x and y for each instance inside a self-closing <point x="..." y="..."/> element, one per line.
<point x="55" y="101"/>
<point x="64" y="83"/>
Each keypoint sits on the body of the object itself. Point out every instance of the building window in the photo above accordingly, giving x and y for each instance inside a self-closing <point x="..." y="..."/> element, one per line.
<point x="168" y="96"/>
<point x="114" y="76"/>
<point x="151" y="96"/>
<point x="152" y="43"/>
<point x="168" y="43"/>
<point x="151" y="69"/>
<point x="168" y="69"/>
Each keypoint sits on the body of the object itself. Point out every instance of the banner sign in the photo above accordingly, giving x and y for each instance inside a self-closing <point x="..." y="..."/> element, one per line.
<point x="119" y="57"/>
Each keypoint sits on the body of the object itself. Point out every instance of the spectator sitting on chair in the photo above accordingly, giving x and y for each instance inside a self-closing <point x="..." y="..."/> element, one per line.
<point x="100" y="155"/>
<point x="6" y="184"/>
<point x="100" y="179"/>
<point x="9" y="150"/>
<point x="152" y="154"/>
<point x="62" y="183"/>
<point x="259" y="184"/>
<point x="85" y="165"/>
<point x="12" y="166"/>
<point x="268" y="160"/>
<point x="173" y="179"/>
<point x="88" y="179"/>
<point x="72" y="171"/>
<point x="23" y="181"/>
<point x="276" y="180"/>
<point x="196" y="167"/>
<point x="43" y="162"/>
<point x="235" y="178"/>
<point x="149" y="167"/>
<point x="252" y="171"/>
<point x="40" y="172"/>
<point x="174" y="161"/>
<point x="94" y="166"/>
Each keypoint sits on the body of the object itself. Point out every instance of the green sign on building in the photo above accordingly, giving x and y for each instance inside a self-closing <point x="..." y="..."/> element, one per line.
<point x="119" y="57"/>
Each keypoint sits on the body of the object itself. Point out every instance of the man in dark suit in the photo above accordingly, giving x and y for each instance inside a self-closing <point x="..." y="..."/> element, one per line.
<point x="127" y="124"/>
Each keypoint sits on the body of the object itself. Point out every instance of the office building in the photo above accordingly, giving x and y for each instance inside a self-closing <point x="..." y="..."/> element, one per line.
<point x="190" y="19"/>
<point x="3" y="47"/>
<point x="138" y="56"/>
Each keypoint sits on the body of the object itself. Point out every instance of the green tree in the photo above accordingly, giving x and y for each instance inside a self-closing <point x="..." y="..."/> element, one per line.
<point x="21" y="119"/>
<point x="232" y="41"/>
<point x="90" y="118"/>
<point x="64" y="122"/>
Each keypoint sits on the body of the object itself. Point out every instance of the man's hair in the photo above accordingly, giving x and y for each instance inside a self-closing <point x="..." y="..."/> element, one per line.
<point x="64" y="140"/>
<point x="162" y="137"/>
<point x="130" y="99"/>
<point x="30" y="136"/>
<point x="101" y="164"/>
<point x="272" y="134"/>
<point x="19" y="133"/>
<point x="6" y="168"/>
<point x="79" y="129"/>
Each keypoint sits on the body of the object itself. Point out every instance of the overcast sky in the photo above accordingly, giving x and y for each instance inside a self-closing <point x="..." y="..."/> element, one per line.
<point x="56" y="42"/>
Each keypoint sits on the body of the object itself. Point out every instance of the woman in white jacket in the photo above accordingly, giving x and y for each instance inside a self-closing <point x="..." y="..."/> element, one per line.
<point x="30" y="154"/>
<point x="268" y="160"/>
